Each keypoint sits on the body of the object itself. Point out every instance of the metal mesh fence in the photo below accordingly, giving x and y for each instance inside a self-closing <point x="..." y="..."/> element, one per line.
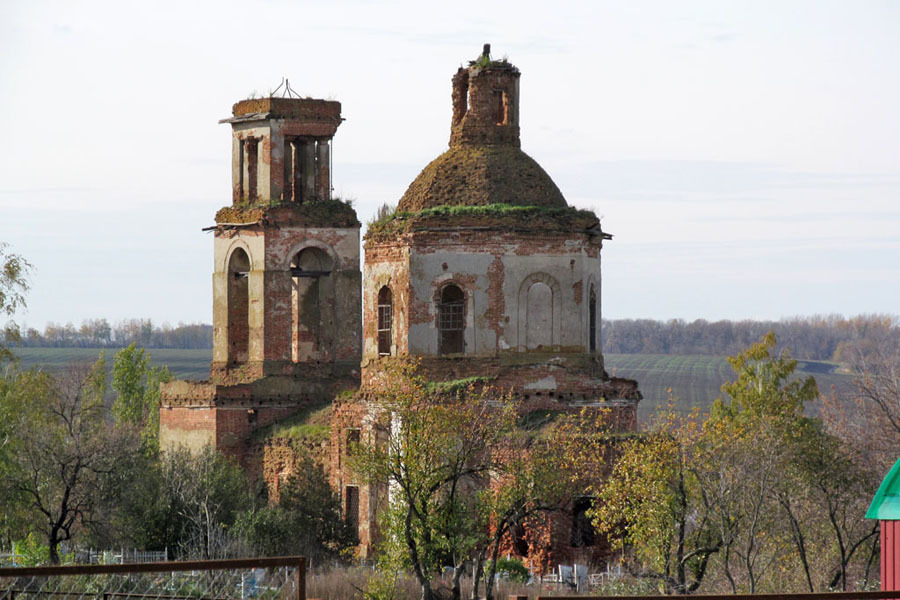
<point x="265" y="578"/>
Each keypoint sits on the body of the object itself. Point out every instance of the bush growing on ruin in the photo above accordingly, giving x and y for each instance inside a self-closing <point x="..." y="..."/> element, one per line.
<point x="461" y="473"/>
<point x="306" y="520"/>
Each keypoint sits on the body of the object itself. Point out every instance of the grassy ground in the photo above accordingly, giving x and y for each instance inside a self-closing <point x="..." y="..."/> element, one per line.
<point x="694" y="380"/>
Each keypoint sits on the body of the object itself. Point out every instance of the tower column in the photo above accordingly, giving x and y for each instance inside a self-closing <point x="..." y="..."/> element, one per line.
<point x="252" y="145"/>
<point x="287" y="180"/>
<point x="323" y="169"/>
<point x="297" y="172"/>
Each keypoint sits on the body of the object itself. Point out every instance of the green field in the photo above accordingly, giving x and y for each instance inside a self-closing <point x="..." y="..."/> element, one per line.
<point x="697" y="380"/>
<point x="694" y="380"/>
<point x="184" y="364"/>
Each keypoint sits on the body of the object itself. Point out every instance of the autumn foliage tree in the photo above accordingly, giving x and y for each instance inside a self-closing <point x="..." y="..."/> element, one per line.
<point x="460" y="474"/>
<point x="654" y="504"/>
<point x="756" y="497"/>
<point x="436" y="452"/>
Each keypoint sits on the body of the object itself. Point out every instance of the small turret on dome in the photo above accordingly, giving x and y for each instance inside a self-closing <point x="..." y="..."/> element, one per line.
<point x="484" y="164"/>
<point x="485" y="103"/>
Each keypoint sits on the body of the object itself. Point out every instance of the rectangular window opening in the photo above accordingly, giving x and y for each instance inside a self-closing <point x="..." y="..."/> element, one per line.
<point x="450" y="324"/>
<point x="384" y="330"/>
<point x="353" y="437"/>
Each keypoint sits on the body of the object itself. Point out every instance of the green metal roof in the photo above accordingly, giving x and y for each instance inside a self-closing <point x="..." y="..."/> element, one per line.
<point x="886" y="503"/>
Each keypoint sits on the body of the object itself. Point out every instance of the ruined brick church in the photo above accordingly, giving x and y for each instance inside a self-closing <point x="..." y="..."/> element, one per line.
<point x="482" y="271"/>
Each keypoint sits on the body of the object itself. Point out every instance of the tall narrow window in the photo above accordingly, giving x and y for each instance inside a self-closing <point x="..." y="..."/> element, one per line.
<point x="451" y="320"/>
<point x="500" y="107"/>
<point x="351" y="507"/>
<point x="238" y="306"/>
<point x="592" y="318"/>
<point x="539" y="317"/>
<point x="385" y="319"/>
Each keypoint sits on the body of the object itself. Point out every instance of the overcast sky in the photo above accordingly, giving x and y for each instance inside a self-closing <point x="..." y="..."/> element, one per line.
<point x="745" y="155"/>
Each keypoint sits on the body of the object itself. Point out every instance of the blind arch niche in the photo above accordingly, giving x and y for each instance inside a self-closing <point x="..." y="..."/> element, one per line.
<point x="539" y="313"/>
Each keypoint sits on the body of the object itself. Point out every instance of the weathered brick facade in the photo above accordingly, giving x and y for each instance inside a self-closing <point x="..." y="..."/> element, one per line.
<point x="483" y="271"/>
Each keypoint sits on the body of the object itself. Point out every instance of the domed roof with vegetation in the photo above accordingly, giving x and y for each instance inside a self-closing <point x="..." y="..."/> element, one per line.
<point x="480" y="176"/>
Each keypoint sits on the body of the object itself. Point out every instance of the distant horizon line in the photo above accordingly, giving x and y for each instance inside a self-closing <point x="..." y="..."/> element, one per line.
<point x="795" y="317"/>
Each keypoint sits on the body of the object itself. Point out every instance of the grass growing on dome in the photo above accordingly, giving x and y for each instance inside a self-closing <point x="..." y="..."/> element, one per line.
<point x="490" y="210"/>
<point x="389" y="222"/>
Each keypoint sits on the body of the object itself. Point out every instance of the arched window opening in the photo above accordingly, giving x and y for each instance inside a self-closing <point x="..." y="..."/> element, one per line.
<point x="311" y="297"/>
<point x="238" y="306"/>
<point x="592" y="320"/>
<point x="519" y="540"/>
<point x="385" y="320"/>
<point x="583" y="533"/>
<point x="451" y="320"/>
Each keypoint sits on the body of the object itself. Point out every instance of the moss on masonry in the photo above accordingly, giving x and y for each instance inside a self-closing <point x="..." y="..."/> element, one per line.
<point x="311" y="423"/>
<point x="455" y="385"/>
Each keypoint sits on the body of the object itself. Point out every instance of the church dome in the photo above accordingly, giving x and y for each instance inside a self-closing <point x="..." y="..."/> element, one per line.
<point x="484" y="164"/>
<point x="480" y="175"/>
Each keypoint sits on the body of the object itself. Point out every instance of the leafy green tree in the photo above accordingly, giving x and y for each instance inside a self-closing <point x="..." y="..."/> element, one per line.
<point x="796" y="493"/>
<point x="207" y="491"/>
<point x="13" y="285"/>
<point x="65" y="448"/>
<point x="764" y="387"/>
<point x="753" y="431"/>
<point x="136" y="384"/>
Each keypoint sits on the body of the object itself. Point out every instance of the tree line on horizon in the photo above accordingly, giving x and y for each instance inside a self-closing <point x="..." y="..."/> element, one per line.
<point x="830" y="337"/>
<point x="99" y="333"/>
<point x="818" y="337"/>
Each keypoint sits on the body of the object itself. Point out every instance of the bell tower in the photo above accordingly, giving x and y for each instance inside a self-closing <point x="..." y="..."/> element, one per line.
<point x="281" y="149"/>
<point x="286" y="283"/>
<point x="286" y="278"/>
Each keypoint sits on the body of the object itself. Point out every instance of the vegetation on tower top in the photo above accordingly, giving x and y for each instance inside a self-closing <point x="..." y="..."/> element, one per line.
<point x="333" y="212"/>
